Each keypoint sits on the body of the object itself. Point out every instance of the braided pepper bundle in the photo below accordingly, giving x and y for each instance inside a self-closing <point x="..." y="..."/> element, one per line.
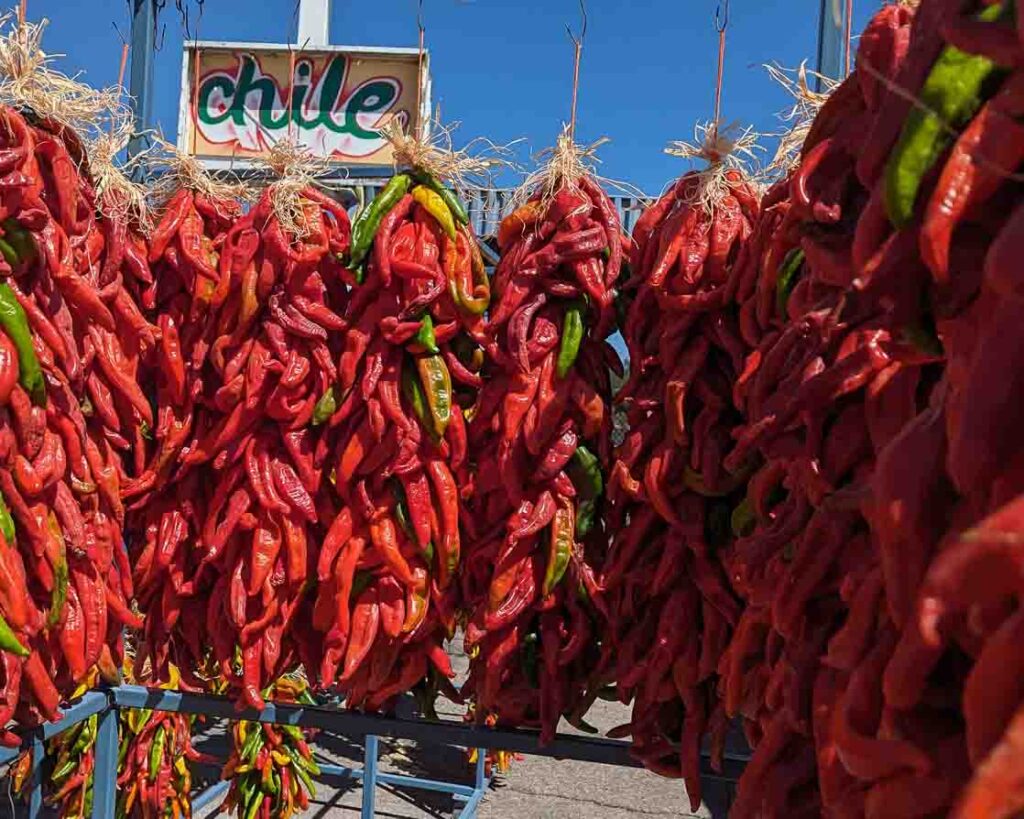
<point x="69" y="788"/>
<point x="73" y="419"/>
<point x="271" y="767"/>
<point x="396" y="440"/>
<point x="229" y="516"/>
<point x="153" y="777"/>
<point x="841" y="397"/>
<point x="947" y="488"/>
<point x="670" y="607"/>
<point x="541" y="441"/>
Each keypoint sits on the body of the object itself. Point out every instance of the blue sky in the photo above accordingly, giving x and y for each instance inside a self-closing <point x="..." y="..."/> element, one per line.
<point x="503" y="68"/>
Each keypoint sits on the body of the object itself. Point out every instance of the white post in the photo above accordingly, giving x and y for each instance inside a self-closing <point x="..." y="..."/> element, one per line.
<point x="314" y="23"/>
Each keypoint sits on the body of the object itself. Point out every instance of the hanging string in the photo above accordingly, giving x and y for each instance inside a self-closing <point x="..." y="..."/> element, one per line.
<point x="421" y="79"/>
<point x="848" y="32"/>
<point x="721" y="24"/>
<point x="577" y="55"/>
<point x="120" y="76"/>
<point x="196" y="78"/>
<point x="195" y="82"/>
<point x="124" y="65"/>
<point x="291" y="72"/>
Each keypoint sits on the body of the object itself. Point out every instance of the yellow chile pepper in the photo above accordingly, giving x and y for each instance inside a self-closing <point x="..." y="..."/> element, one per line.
<point x="433" y="204"/>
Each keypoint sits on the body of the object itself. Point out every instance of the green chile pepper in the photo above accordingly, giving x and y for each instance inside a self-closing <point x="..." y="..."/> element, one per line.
<point x="19" y="240"/>
<point x="585" y="471"/>
<point x="253" y="801"/>
<point x="62" y="772"/>
<point x="307" y="764"/>
<point x="437" y="391"/>
<point x="572" y="337"/>
<point x="15" y="324"/>
<point x="447" y="194"/>
<point x="401" y="514"/>
<point x="9" y="641"/>
<point x="368" y="220"/>
<point x="156" y="752"/>
<point x="788" y="275"/>
<point x="413" y="393"/>
<point x="952" y="93"/>
<point x="7" y="523"/>
<point x="252" y="744"/>
<point x="563" y="536"/>
<point x="86" y="737"/>
<point x="303" y="768"/>
<point x="9" y="253"/>
<point x="325" y="407"/>
<point x="425" y="335"/>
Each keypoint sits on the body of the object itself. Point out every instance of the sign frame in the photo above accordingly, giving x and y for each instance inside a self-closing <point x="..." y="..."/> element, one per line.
<point x="240" y="163"/>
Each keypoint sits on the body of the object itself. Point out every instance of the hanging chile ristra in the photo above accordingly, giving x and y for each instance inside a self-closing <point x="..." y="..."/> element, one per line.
<point x="72" y="414"/>
<point x="670" y="606"/>
<point x="230" y="511"/>
<point x="271" y="767"/>
<point x="540" y="442"/>
<point x="395" y="433"/>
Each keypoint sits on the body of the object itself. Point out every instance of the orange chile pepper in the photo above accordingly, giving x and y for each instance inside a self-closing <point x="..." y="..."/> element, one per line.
<point x="514" y="226"/>
<point x="448" y="498"/>
<point x="384" y="536"/>
<point x="365" y="625"/>
<point x="417" y="598"/>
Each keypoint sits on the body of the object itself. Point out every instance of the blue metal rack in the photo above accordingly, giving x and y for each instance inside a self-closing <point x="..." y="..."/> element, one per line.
<point x="107" y="703"/>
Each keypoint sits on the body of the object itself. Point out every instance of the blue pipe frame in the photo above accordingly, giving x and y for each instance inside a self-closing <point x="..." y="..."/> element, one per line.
<point x="107" y="703"/>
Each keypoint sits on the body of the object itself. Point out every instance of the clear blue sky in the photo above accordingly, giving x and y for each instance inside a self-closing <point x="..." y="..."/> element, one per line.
<point x="503" y="68"/>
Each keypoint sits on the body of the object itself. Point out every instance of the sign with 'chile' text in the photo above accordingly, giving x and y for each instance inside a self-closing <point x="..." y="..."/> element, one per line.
<point x="239" y="99"/>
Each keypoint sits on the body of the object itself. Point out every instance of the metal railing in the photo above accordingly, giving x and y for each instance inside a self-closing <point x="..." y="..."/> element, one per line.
<point x="107" y="702"/>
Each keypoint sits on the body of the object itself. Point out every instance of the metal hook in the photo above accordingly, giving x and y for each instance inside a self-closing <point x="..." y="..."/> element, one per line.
<point x="722" y="20"/>
<point x="578" y="41"/>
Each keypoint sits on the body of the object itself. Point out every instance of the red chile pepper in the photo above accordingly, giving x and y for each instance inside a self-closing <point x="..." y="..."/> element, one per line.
<point x="988" y="149"/>
<point x="447" y="495"/>
<point x="385" y="540"/>
<point x="391" y="598"/>
<point x="365" y="625"/>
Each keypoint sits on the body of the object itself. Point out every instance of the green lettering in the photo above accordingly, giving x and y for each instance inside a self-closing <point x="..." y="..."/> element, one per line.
<point x="226" y="85"/>
<point x="299" y="92"/>
<point x="264" y="86"/>
<point x="330" y="93"/>
<point x="371" y="98"/>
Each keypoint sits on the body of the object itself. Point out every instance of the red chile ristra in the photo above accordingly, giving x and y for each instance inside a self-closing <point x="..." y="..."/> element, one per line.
<point x="74" y="422"/>
<point x="670" y="606"/>
<point x="541" y="439"/>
